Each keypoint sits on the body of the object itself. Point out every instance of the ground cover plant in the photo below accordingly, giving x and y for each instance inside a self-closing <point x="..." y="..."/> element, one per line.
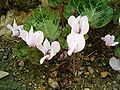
<point x="70" y="44"/>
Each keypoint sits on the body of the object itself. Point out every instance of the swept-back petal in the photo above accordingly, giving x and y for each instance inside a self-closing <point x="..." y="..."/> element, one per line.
<point x="114" y="43"/>
<point x="41" y="48"/>
<point x="71" y="39"/>
<point x="31" y="31"/>
<point x="75" y="27"/>
<point x="54" y="49"/>
<point x="38" y="37"/>
<point x="10" y="27"/>
<point x="76" y="42"/>
<point x="46" y="45"/>
<point x="112" y="37"/>
<point x="43" y="59"/>
<point x="14" y="24"/>
<point x="20" y="27"/>
<point x="84" y="25"/>
<point x="80" y="43"/>
<point x="71" y="20"/>
<point x="23" y="34"/>
<point x="55" y="46"/>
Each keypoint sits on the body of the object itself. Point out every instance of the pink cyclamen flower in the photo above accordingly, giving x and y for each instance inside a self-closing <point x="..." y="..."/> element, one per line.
<point x="33" y="39"/>
<point x="76" y="43"/>
<point x="48" y="50"/>
<point x="15" y="28"/>
<point x="109" y="40"/>
<point x="79" y="24"/>
<point x="114" y="63"/>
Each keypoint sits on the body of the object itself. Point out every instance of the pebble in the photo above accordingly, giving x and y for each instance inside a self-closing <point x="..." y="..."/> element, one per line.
<point x="53" y="83"/>
<point x="5" y="57"/>
<point x="90" y="70"/>
<point x="21" y="63"/>
<point x="105" y="74"/>
<point x="86" y="89"/>
<point x="2" y="50"/>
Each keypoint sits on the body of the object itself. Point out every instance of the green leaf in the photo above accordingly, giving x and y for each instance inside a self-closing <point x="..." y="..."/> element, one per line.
<point x="23" y="52"/>
<point x="63" y="36"/>
<point x="68" y="10"/>
<point x="116" y="15"/>
<point x="46" y="20"/>
<point x="57" y="2"/>
<point x="98" y="12"/>
<point x="117" y="48"/>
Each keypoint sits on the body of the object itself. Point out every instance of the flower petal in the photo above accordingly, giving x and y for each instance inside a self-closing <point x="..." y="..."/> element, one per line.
<point x="114" y="63"/>
<point x="38" y="37"/>
<point x="55" y="48"/>
<point x="23" y="34"/>
<point x="80" y="43"/>
<point x="41" y="48"/>
<point x="84" y="25"/>
<point x="46" y="45"/>
<point x="75" y="27"/>
<point x="71" y="20"/>
<point x="114" y="44"/>
<point x="43" y="59"/>
<point x="10" y="27"/>
<point x="20" y="27"/>
<point x="14" y="24"/>
<point x="76" y="42"/>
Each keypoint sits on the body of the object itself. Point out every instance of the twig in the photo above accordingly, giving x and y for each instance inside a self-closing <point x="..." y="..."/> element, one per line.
<point x="51" y="70"/>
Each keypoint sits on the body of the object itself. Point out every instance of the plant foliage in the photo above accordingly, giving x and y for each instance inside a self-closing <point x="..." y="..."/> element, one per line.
<point x="46" y="20"/>
<point x="98" y="12"/>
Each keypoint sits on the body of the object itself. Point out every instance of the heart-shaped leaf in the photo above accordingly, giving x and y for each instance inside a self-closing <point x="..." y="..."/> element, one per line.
<point x="46" y="20"/>
<point x="98" y="12"/>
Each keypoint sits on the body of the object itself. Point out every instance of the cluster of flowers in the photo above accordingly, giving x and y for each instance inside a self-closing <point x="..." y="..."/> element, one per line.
<point x="75" y="40"/>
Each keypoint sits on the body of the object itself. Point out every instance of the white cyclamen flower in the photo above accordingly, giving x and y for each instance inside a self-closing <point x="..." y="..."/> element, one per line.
<point x="79" y="24"/>
<point x="76" y="43"/>
<point x="15" y="29"/>
<point x="33" y="39"/>
<point x="109" y="40"/>
<point x="114" y="63"/>
<point x="76" y="40"/>
<point x="48" y="50"/>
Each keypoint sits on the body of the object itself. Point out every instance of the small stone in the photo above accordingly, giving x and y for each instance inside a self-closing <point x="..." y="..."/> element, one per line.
<point x="92" y="58"/>
<point x="80" y="72"/>
<point x="21" y="63"/>
<point x="53" y="83"/>
<point x="2" y="50"/>
<point x="30" y="84"/>
<point x="114" y="81"/>
<point x="82" y="68"/>
<point x="5" y="57"/>
<point x="86" y="89"/>
<point x="105" y="74"/>
<point x="55" y="73"/>
<point x="90" y="70"/>
<point x="87" y="73"/>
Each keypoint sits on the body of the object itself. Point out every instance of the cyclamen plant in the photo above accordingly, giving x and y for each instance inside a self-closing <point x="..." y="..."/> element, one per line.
<point x="75" y="40"/>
